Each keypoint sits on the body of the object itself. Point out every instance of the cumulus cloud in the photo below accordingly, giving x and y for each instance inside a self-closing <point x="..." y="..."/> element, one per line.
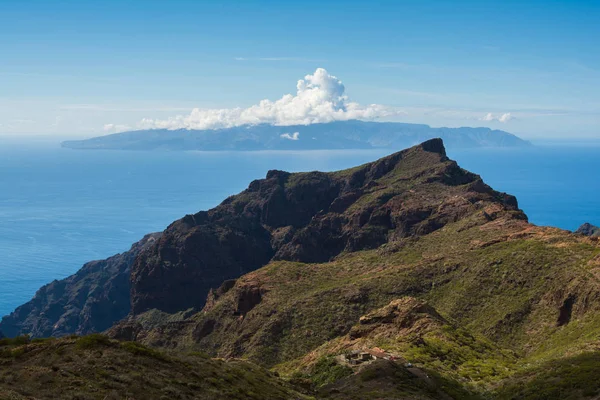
<point x="319" y="97"/>
<point x="500" y="117"/>
<point x="115" y="128"/>
<point x="293" y="136"/>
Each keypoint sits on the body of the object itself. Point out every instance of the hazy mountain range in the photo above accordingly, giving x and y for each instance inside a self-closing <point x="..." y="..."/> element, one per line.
<point x="328" y="136"/>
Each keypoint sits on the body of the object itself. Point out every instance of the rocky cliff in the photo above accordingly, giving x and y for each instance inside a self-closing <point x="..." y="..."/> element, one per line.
<point x="91" y="300"/>
<point x="310" y="217"/>
<point x="588" y="229"/>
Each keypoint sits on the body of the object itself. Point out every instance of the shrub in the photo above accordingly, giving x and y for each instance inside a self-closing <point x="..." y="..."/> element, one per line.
<point x="199" y="354"/>
<point x="92" y="341"/>
<point x="369" y="374"/>
<point x="141" y="350"/>
<point x="42" y="340"/>
<point x="16" y="341"/>
<point x="327" y="370"/>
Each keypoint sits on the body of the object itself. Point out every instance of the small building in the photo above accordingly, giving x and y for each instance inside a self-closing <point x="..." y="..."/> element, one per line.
<point x="356" y="357"/>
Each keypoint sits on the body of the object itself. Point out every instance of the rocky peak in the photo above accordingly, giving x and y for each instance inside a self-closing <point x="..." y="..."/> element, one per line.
<point x="214" y="295"/>
<point x="435" y="145"/>
<point x="588" y="229"/>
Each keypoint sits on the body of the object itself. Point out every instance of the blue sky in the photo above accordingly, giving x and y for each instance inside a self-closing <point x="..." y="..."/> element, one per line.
<point x="84" y="68"/>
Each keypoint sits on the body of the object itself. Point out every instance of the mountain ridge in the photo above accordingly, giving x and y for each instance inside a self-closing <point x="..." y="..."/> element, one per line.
<point x="306" y="217"/>
<point x="434" y="282"/>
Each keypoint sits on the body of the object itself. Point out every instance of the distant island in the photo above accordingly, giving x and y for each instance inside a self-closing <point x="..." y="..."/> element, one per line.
<point x="324" y="136"/>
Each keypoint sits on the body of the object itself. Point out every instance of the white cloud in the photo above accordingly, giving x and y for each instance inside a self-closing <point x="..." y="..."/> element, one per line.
<point x="319" y="97"/>
<point x="500" y="117"/>
<point x="115" y="128"/>
<point x="293" y="136"/>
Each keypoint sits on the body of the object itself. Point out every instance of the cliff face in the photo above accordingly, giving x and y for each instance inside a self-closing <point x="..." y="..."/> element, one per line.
<point x="91" y="300"/>
<point x="309" y="217"/>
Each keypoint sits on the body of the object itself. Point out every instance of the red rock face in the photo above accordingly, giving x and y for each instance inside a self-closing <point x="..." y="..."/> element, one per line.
<point x="309" y="217"/>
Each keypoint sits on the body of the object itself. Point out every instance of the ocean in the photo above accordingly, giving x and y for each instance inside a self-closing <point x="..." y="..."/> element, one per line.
<point x="60" y="208"/>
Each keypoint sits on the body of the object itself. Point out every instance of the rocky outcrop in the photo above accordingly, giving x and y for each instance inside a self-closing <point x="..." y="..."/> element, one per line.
<point x="215" y="295"/>
<point x="309" y="217"/>
<point x="401" y="317"/>
<point x="91" y="300"/>
<point x="588" y="229"/>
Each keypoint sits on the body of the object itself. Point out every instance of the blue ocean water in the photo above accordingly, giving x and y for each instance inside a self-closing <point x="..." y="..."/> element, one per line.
<point x="60" y="208"/>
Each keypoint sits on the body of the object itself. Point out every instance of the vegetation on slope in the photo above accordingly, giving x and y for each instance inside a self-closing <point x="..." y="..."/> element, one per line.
<point x="409" y="256"/>
<point x="96" y="367"/>
<point x="501" y="281"/>
<point x="568" y="378"/>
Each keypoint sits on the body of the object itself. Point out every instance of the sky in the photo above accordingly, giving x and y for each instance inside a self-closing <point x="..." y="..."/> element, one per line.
<point x="87" y="68"/>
